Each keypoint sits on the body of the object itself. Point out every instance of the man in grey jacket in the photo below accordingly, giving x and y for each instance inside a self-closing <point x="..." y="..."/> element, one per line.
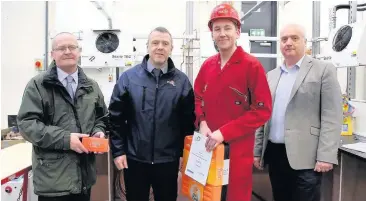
<point x="302" y="137"/>
<point x="59" y="107"/>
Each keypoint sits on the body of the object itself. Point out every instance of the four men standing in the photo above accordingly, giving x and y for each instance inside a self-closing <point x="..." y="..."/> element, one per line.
<point x="154" y="107"/>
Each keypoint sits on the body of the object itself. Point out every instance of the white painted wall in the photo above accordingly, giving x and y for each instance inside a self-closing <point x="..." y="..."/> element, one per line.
<point x="22" y="41"/>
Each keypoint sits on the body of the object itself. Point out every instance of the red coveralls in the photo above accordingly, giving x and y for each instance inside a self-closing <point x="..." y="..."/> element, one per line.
<point x="236" y="100"/>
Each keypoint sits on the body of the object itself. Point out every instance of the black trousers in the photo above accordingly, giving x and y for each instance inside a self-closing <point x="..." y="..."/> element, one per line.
<point x="74" y="197"/>
<point x="162" y="177"/>
<point x="289" y="184"/>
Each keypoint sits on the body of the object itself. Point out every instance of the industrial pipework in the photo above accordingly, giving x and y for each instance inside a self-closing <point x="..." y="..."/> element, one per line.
<point x="333" y="13"/>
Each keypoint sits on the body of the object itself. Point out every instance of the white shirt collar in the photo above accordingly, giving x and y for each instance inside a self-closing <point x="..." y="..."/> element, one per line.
<point x="62" y="75"/>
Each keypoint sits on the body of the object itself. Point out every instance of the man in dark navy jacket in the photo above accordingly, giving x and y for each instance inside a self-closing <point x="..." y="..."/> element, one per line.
<point x="151" y="111"/>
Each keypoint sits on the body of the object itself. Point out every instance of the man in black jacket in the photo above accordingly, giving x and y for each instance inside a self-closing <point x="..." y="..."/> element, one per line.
<point x="151" y="111"/>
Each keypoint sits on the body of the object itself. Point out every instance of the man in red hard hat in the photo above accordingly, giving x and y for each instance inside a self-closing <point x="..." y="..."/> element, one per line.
<point x="232" y="100"/>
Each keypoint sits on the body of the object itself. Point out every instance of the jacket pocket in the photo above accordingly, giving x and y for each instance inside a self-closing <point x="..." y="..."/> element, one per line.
<point x="314" y="131"/>
<point x="56" y="176"/>
<point x="241" y="97"/>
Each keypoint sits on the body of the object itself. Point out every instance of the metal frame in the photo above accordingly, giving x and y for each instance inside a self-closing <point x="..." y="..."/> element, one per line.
<point x="351" y="71"/>
<point x="45" y="64"/>
<point x="24" y="172"/>
<point x="189" y="42"/>
<point x="316" y="29"/>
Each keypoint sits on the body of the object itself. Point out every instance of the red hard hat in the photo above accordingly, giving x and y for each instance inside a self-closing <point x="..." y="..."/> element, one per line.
<point x="224" y="11"/>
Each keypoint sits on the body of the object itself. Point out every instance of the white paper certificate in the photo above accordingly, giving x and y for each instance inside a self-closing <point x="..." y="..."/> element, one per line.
<point x="199" y="160"/>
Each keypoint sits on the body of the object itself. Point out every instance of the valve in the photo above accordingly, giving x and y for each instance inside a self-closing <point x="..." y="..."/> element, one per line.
<point x="8" y="189"/>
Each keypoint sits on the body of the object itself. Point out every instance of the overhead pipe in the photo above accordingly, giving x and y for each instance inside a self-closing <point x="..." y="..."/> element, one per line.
<point x="333" y="13"/>
<point x="99" y="7"/>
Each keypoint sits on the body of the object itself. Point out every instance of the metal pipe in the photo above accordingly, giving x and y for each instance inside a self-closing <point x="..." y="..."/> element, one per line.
<point x="351" y="72"/>
<point x="189" y="31"/>
<point x="110" y="25"/>
<point x="316" y="28"/>
<point x="99" y="7"/>
<point x="46" y="37"/>
<point x="333" y="12"/>
<point x="332" y="18"/>
<point x="250" y="12"/>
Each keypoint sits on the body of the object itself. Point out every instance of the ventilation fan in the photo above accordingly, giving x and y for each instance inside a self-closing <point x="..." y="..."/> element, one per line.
<point x="342" y="38"/>
<point x="346" y="45"/>
<point x="107" y="42"/>
<point x="106" y="48"/>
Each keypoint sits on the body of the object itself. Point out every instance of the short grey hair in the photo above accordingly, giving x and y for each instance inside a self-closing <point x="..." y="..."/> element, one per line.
<point x="161" y="30"/>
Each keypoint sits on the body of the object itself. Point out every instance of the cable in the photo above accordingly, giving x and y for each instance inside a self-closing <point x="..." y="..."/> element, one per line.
<point x="120" y="188"/>
<point x="345" y="6"/>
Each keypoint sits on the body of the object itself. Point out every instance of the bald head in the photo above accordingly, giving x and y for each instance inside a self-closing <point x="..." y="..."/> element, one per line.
<point x="294" y="27"/>
<point x="62" y="36"/>
<point x="65" y="51"/>
<point x="293" y="43"/>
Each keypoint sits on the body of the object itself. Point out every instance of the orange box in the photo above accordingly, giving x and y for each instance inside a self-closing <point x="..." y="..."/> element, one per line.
<point x="95" y="144"/>
<point x="217" y="168"/>
<point x="216" y="185"/>
<point x="195" y="191"/>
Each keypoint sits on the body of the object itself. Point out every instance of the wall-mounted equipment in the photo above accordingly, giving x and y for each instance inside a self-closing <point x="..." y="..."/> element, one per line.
<point x="106" y="48"/>
<point x="346" y="45"/>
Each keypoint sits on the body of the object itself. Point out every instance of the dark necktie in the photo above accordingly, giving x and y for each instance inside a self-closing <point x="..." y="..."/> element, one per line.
<point x="69" y="89"/>
<point x="157" y="73"/>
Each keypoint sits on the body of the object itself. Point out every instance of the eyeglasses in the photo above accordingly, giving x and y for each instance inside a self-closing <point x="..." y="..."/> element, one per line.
<point x="63" y="48"/>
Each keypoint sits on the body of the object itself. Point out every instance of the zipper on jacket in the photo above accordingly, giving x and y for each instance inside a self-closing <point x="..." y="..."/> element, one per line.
<point x="154" y="124"/>
<point x="240" y="93"/>
<point x="143" y="97"/>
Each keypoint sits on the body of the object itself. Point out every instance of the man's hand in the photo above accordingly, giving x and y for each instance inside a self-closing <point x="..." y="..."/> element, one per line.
<point x="257" y="163"/>
<point x="75" y="143"/>
<point x="213" y="140"/>
<point x="204" y="130"/>
<point x="121" y="162"/>
<point x="323" y="167"/>
<point x="99" y="135"/>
